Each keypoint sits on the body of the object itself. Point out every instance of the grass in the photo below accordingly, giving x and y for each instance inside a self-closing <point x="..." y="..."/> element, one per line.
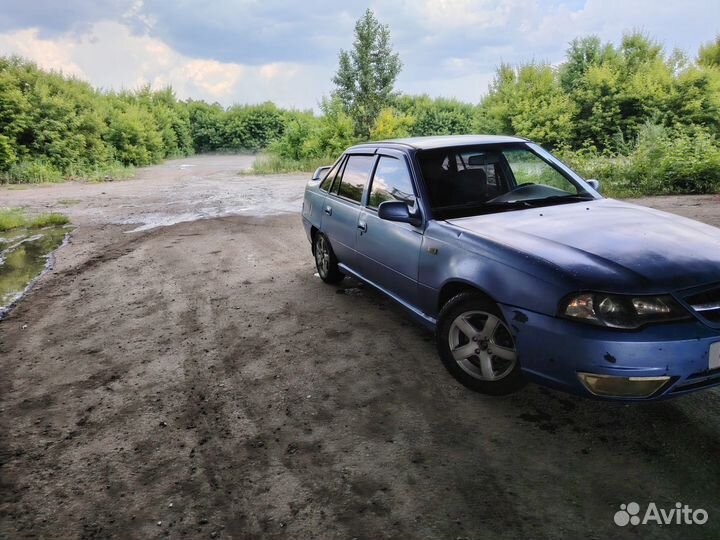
<point x="41" y="172"/>
<point x="105" y="173"/>
<point x="272" y="164"/>
<point x="14" y="218"/>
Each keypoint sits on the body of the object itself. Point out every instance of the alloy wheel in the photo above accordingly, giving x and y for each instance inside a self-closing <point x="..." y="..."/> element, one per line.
<point x="322" y="256"/>
<point x="482" y="345"/>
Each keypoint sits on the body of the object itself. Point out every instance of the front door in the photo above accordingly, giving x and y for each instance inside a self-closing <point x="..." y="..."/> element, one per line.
<point x="389" y="251"/>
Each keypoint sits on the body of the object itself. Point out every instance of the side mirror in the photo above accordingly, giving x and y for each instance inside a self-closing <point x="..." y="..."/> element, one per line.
<point x="399" y="211"/>
<point x="595" y="184"/>
<point x="320" y="172"/>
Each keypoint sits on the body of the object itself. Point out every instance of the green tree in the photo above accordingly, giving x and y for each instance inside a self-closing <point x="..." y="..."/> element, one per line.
<point x="582" y="54"/>
<point x="529" y="101"/>
<point x="206" y="127"/>
<point x="252" y="127"/>
<point x="439" y="116"/>
<point x="7" y="154"/>
<point x="299" y="139"/>
<point x="389" y="125"/>
<point x="366" y="74"/>
<point x="709" y="54"/>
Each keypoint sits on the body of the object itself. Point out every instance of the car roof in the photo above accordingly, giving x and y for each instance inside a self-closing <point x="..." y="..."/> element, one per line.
<point x="443" y="141"/>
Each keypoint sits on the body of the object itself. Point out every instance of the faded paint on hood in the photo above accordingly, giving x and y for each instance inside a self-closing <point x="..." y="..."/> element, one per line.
<point x="609" y="245"/>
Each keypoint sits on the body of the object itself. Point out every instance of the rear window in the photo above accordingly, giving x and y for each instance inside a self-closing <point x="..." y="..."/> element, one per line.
<point x="356" y="174"/>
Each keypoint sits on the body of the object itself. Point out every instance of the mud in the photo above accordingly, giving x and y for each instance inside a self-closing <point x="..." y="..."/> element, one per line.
<point x="199" y="381"/>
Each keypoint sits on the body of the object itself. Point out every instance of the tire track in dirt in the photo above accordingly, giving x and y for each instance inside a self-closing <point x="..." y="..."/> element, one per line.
<point x="203" y="366"/>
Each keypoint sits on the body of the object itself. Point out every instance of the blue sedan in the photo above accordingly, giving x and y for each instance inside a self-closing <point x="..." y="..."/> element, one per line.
<point x="523" y="270"/>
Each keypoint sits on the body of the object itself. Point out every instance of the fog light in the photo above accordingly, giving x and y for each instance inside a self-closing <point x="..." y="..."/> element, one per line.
<point x="628" y="387"/>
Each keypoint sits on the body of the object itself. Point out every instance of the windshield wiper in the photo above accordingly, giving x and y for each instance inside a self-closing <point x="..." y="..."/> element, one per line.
<point x="503" y="205"/>
<point x="545" y="201"/>
<point x="490" y="207"/>
<point x="570" y="197"/>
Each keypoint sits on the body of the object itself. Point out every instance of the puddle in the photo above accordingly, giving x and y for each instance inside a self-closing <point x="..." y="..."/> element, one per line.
<point x="151" y="220"/>
<point x="24" y="254"/>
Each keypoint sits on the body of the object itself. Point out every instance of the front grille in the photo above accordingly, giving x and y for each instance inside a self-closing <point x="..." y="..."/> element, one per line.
<point x="706" y="304"/>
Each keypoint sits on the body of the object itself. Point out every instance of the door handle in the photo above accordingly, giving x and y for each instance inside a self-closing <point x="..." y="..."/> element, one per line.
<point x="362" y="226"/>
<point x="328" y="210"/>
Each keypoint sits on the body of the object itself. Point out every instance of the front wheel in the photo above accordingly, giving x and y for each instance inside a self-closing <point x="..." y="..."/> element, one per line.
<point x="325" y="260"/>
<point x="476" y="346"/>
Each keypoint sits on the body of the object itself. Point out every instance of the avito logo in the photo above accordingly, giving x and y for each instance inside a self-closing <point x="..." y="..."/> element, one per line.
<point x="681" y="514"/>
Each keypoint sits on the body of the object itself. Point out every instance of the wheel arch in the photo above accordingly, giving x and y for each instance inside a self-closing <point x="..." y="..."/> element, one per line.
<point x="313" y="232"/>
<point x="452" y="288"/>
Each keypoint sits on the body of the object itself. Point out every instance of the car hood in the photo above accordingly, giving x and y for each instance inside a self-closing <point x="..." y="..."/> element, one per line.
<point x="607" y="245"/>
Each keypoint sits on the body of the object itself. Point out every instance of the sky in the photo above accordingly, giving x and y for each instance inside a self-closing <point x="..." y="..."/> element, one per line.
<point x="250" y="51"/>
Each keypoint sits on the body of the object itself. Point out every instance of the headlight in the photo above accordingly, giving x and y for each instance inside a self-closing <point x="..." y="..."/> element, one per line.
<point x="617" y="311"/>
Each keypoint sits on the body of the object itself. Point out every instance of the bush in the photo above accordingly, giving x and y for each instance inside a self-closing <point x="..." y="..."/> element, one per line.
<point x="309" y="140"/>
<point x="7" y="154"/>
<point x="438" y="116"/>
<point x="205" y="126"/>
<point x="391" y="125"/>
<point x="661" y="161"/>
<point x="252" y="127"/>
<point x="274" y="164"/>
<point x="31" y="171"/>
<point x="299" y="140"/>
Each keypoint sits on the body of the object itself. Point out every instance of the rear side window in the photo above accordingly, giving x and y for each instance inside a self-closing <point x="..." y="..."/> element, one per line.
<point x="391" y="183"/>
<point x="356" y="174"/>
<point x="327" y="182"/>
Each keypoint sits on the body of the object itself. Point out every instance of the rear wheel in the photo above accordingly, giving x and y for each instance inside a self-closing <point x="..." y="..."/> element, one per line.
<point x="476" y="346"/>
<point x="325" y="260"/>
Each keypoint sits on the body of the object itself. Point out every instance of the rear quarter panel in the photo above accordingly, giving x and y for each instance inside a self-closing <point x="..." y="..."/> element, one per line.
<point x="312" y="206"/>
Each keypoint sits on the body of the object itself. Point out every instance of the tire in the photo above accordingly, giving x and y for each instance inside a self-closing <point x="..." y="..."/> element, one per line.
<point x="325" y="260"/>
<point x="476" y="345"/>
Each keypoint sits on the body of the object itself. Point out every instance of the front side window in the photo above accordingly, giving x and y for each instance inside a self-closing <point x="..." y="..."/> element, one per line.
<point x="356" y="174"/>
<point x="391" y="182"/>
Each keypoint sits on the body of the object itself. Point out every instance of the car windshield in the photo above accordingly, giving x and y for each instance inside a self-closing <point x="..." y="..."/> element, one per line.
<point x="465" y="181"/>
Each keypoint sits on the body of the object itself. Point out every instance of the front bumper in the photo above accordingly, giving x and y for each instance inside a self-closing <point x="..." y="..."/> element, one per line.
<point x="554" y="351"/>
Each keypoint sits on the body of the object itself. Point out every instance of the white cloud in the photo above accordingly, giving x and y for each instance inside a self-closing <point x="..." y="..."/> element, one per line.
<point x="475" y="14"/>
<point x="110" y="56"/>
<point x="47" y="54"/>
<point x="213" y="77"/>
<point x="250" y="51"/>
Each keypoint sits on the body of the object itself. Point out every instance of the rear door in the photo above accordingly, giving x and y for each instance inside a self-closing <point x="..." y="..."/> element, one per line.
<point x="389" y="251"/>
<point x="341" y="209"/>
<point x="314" y="200"/>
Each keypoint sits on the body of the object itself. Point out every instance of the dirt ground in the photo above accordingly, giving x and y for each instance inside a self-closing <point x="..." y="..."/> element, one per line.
<point x="197" y="380"/>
